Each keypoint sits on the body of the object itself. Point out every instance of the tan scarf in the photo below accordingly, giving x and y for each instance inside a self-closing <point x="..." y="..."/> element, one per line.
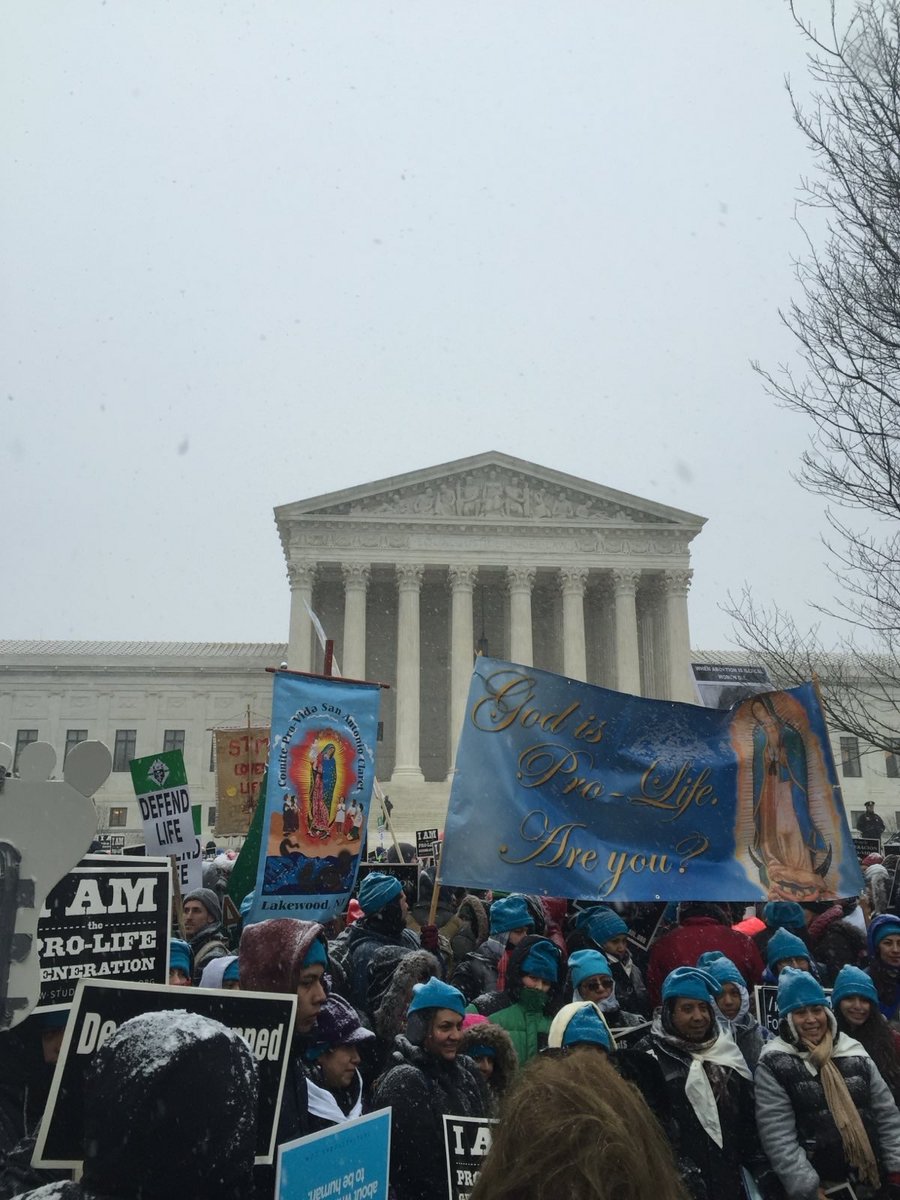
<point x="857" y="1146"/>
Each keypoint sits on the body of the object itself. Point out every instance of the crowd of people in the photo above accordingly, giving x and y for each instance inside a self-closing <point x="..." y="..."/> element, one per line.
<point x="613" y="1067"/>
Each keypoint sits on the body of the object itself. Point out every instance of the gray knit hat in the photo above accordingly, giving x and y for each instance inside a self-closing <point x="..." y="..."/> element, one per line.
<point x="209" y="900"/>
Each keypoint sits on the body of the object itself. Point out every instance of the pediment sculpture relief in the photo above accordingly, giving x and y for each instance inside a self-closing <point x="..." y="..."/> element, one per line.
<point x="493" y="495"/>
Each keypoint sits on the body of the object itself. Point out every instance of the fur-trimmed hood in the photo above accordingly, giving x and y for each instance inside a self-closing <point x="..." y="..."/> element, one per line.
<point x="506" y="1061"/>
<point x="475" y="912"/>
<point x="389" y="1017"/>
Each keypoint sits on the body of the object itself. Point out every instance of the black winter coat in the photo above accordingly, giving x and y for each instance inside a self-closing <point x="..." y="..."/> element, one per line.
<point x="709" y="1172"/>
<point x="477" y="973"/>
<point x="421" y="1089"/>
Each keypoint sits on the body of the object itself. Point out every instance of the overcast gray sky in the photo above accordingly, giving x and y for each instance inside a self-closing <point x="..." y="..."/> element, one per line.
<point x="252" y="252"/>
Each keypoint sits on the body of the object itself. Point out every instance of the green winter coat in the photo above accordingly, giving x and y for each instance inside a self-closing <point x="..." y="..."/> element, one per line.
<point x="526" y="1022"/>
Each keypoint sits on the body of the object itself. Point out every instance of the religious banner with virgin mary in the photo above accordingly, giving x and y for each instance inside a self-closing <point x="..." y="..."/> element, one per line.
<point x="320" y="777"/>
<point x="565" y="789"/>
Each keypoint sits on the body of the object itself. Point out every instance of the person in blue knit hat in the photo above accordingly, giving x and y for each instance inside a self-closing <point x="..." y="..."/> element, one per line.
<point x="733" y="1003"/>
<point x="580" y="1024"/>
<point x="181" y="963"/>
<point x="383" y="923"/>
<point x="484" y="969"/>
<point x="854" y="1000"/>
<point x="779" y="914"/>
<point x="884" y="963"/>
<point x="532" y="995"/>
<point x="785" y="949"/>
<point x="710" y="1088"/>
<point x="591" y="979"/>
<point x="428" y="1079"/>
<point x="600" y="928"/>
<point x="824" y="1113"/>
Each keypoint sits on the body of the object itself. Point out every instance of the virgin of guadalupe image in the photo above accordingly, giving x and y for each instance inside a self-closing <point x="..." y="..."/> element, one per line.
<point x="784" y="840"/>
<point x="323" y="776"/>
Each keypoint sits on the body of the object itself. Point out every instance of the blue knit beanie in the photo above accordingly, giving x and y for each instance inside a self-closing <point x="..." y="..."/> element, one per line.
<point x="585" y="963"/>
<point x="587" y="1026"/>
<point x="785" y="945"/>
<point x="542" y="960"/>
<point x="231" y="974"/>
<point x="851" y="981"/>
<point x="180" y="956"/>
<point x="885" y="925"/>
<point x="798" y="989"/>
<point x="316" y="955"/>
<point x="690" y="983"/>
<point x="510" y="913"/>
<point x="784" y="914"/>
<point x="601" y="924"/>
<point x="721" y="968"/>
<point x="247" y="903"/>
<point x="437" y="994"/>
<point x="377" y="890"/>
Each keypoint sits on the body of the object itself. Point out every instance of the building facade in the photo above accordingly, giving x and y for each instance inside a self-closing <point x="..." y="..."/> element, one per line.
<point x="411" y="577"/>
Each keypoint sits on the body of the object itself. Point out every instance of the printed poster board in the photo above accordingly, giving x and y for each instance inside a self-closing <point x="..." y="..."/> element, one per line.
<point x="99" y="1007"/>
<point x="347" y="1162"/>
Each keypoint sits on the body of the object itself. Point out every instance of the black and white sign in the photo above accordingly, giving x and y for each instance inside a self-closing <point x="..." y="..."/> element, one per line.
<point x="107" y="917"/>
<point x="721" y="685"/>
<point x="265" y="1022"/>
<point x="427" y="842"/>
<point x="407" y="873"/>
<point x="866" y="846"/>
<point x="643" y="925"/>
<point x="467" y="1141"/>
<point x="766" y="996"/>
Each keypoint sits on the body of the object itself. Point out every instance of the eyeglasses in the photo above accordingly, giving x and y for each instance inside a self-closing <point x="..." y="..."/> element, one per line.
<point x="598" y="984"/>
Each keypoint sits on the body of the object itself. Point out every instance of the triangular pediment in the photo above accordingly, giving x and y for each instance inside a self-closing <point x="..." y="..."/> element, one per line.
<point x="491" y="487"/>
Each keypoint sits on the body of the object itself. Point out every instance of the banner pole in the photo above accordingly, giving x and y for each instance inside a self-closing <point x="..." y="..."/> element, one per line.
<point x="432" y="912"/>
<point x="176" y="897"/>
<point x="387" y="820"/>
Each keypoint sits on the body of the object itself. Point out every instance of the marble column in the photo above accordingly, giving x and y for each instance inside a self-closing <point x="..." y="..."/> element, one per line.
<point x="301" y="576"/>
<point x="409" y="587"/>
<point x="678" y="636"/>
<point x="462" y="650"/>
<point x="520" y="581"/>
<point x="572" y="581"/>
<point x="356" y="581"/>
<point x="628" y="666"/>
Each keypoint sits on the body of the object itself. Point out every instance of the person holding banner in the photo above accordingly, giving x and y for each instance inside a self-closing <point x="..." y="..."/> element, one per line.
<point x="710" y="1088"/>
<point x="824" y="1113"/>
<point x="428" y="1080"/>
<point x="384" y="905"/>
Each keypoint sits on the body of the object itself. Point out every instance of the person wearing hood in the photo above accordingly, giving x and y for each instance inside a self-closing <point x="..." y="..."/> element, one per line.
<point x="833" y="942"/>
<point x="878" y="883"/>
<point x="710" y="1088"/>
<point x="170" y="1109"/>
<point x="854" y="1002"/>
<point x="222" y="973"/>
<point x="390" y="992"/>
<point x="474" y="926"/>
<point x="287" y="957"/>
<point x="600" y="928"/>
<point x="592" y="979"/>
<point x="484" y="968"/>
<point x="884" y="963"/>
<point x="534" y="986"/>
<point x="428" y="1079"/>
<point x="825" y="1116"/>
<point x="203" y="927"/>
<point x="334" y="1084"/>
<point x="383" y="901"/>
<point x="733" y="1003"/>
<point x="490" y="1048"/>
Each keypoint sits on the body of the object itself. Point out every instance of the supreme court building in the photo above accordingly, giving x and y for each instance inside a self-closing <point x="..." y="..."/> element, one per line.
<point x="411" y="576"/>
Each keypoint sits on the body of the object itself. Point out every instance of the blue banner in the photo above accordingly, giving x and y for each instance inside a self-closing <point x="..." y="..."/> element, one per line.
<point x="347" y="1162"/>
<point x="320" y="777"/>
<point x="565" y="789"/>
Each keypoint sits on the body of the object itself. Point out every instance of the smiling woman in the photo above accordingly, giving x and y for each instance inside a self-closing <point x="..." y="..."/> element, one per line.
<point x="824" y="1113"/>
<point x="428" y="1081"/>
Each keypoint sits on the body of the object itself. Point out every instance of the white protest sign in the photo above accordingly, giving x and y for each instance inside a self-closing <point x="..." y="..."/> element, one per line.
<point x="160" y="784"/>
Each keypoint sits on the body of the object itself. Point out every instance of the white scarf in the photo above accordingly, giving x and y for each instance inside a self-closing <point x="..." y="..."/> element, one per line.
<point x="323" y="1104"/>
<point x="723" y="1052"/>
